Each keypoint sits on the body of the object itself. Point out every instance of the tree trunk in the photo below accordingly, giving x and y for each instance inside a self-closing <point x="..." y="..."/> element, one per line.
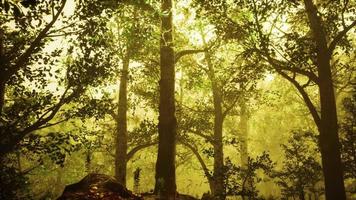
<point x="88" y="161"/>
<point x="137" y="177"/>
<point x="2" y="93"/>
<point x="301" y="194"/>
<point x="218" y="177"/>
<point x="243" y="126"/>
<point x="121" y="142"/>
<point x="19" y="164"/>
<point x="165" y="185"/>
<point x="328" y="127"/>
<point x="2" y="72"/>
<point x="329" y="138"/>
<point x="243" y="134"/>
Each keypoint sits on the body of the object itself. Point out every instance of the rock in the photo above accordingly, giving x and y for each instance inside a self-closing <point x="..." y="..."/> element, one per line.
<point x="97" y="186"/>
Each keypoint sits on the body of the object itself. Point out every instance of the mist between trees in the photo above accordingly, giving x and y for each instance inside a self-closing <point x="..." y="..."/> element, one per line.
<point x="215" y="99"/>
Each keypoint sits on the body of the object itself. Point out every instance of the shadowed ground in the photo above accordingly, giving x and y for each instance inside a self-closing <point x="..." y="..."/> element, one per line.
<point x="104" y="187"/>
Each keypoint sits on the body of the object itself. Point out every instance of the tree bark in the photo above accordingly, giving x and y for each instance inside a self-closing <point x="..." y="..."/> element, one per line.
<point x="243" y="127"/>
<point x="2" y="72"/>
<point x="88" y="161"/>
<point x="329" y="138"/>
<point x="328" y="129"/>
<point x="218" y="176"/>
<point x="121" y="140"/>
<point x="165" y="185"/>
<point x="2" y="91"/>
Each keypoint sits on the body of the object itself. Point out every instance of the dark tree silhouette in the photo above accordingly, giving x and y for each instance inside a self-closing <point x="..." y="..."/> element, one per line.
<point x="165" y="166"/>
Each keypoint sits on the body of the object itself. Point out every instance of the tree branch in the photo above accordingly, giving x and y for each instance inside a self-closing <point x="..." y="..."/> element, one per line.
<point x="206" y="137"/>
<point x="138" y="148"/>
<point x="23" y="58"/>
<point x="229" y="108"/>
<point x="43" y="120"/>
<point x="61" y="34"/>
<point x="113" y="114"/>
<point x="182" y="53"/>
<point x="338" y="37"/>
<point x="198" y="156"/>
<point x="14" y="138"/>
<point x="53" y="124"/>
<point x="28" y="170"/>
<point x="305" y="96"/>
<point x="280" y="65"/>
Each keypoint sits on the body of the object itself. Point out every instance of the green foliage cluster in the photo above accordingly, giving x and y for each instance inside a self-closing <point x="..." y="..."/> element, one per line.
<point x="12" y="183"/>
<point x="242" y="180"/>
<point x="235" y="60"/>
<point x="301" y="169"/>
<point x="348" y="136"/>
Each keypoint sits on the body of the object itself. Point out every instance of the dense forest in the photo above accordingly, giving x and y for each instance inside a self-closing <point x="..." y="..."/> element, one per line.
<point x="178" y="99"/>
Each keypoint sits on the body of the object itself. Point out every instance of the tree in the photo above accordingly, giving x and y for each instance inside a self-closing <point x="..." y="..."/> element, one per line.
<point x="60" y="116"/>
<point x="25" y="60"/>
<point x="348" y="136"/>
<point x="301" y="171"/>
<point x="326" y="121"/>
<point x="244" y="131"/>
<point x="129" y="42"/>
<point x="311" y="45"/>
<point x="127" y="35"/>
<point x="165" y="167"/>
<point x="237" y="176"/>
<point x="227" y="90"/>
<point x="216" y="89"/>
<point x="30" y="104"/>
<point x="17" y="52"/>
<point x="224" y="79"/>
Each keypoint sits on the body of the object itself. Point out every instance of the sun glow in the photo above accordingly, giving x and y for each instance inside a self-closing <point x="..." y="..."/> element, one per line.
<point x="269" y="78"/>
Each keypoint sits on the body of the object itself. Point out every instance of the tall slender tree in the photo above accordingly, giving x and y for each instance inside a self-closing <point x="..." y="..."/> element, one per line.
<point x="165" y="185"/>
<point x="121" y="138"/>
<point x="325" y="119"/>
<point x="327" y="122"/>
<point x="131" y="32"/>
<point x="319" y="73"/>
<point x="218" y="176"/>
<point x="243" y="138"/>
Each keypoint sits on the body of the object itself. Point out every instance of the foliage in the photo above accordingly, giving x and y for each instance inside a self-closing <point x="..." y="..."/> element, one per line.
<point x="301" y="171"/>
<point x="348" y="136"/>
<point x="28" y="109"/>
<point x="57" y="145"/>
<point x="30" y="70"/>
<point x="242" y="181"/>
<point x="12" y="183"/>
<point x="59" y="74"/>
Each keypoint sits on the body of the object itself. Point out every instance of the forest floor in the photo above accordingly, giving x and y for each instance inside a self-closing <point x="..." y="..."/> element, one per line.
<point x="104" y="187"/>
